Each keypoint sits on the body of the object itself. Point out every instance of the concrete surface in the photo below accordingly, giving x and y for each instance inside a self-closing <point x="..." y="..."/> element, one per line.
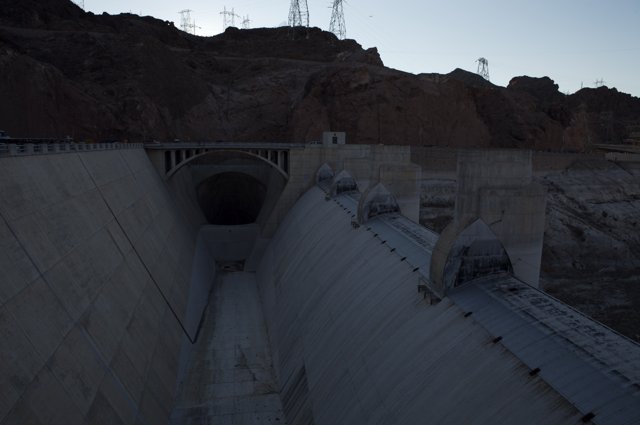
<point x="345" y="319"/>
<point x="96" y="273"/>
<point x="230" y="243"/>
<point x="230" y="378"/>
<point x="496" y="187"/>
<point x="203" y="274"/>
<point x="104" y="279"/>
<point x="354" y="342"/>
<point x="583" y="360"/>
<point x="368" y="164"/>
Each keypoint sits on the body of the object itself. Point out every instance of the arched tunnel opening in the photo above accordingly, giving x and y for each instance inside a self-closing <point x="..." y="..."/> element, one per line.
<point x="231" y="198"/>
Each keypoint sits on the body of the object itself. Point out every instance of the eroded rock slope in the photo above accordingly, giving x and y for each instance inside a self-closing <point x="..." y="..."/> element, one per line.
<point x="66" y="72"/>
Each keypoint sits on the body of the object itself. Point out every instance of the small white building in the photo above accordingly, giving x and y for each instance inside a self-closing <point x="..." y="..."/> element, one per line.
<point x="334" y="138"/>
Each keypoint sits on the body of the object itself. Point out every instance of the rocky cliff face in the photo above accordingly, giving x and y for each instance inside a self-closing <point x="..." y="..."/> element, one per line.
<point x="591" y="251"/>
<point x="591" y="255"/>
<point x="66" y="72"/>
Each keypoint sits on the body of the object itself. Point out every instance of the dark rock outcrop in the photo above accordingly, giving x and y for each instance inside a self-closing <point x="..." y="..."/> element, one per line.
<point x="96" y="77"/>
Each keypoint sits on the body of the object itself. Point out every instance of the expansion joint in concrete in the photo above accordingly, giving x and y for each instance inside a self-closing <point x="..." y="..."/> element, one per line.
<point x="135" y="250"/>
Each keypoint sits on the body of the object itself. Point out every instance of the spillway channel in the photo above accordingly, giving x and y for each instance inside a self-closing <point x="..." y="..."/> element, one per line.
<point x="230" y="377"/>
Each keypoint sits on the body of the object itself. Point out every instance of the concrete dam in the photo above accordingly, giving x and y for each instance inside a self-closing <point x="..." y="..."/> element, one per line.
<point x="286" y="284"/>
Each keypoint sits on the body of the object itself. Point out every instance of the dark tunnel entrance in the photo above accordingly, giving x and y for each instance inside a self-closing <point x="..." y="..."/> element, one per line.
<point x="231" y="198"/>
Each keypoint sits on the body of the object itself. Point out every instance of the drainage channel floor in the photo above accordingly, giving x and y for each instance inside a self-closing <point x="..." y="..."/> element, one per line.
<point x="230" y="379"/>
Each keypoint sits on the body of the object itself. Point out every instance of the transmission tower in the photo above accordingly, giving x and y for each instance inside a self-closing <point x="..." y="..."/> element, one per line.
<point x="337" y="25"/>
<point x="599" y="82"/>
<point x="246" y="23"/>
<point x="299" y="13"/>
<point x="186" y="24"/>
<point x="483" y="68"/>
<point x="80" y="3"/>
<point x="228" y="18"/>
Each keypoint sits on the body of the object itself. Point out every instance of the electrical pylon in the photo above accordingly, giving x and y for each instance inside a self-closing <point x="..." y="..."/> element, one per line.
<point x="246" y="23"/>
<point x="483" y="68"/>
<point x="228" y="18"/>
<point x="185" y="20"/>
<point x="337" y="25"/>
<point x="299" y="13"/>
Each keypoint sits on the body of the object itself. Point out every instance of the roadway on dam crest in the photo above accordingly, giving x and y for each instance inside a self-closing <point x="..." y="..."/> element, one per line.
<point x="230" y="378"/>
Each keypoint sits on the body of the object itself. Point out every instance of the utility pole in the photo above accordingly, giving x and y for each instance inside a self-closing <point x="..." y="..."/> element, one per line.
<point x="299" y="13"/>
<point x="337" y="25"/>
<point x="483" y="68"/>
<point x="228" y="18"/>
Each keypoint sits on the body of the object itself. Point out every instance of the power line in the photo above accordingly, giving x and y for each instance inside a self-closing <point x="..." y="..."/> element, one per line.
<point x="483" y="68"/>
<point x="337" y="25"/>
<point x="366" y="24"/>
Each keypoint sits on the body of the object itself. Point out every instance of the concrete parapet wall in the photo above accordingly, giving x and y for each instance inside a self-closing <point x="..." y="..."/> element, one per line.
<point x="623" y="157"/>
<point x="435" y="161"/>
<point x="548" y="162"/>
<point x="403" y="181"/>
<point x="442" y="162"/>
<point x="488" y="169"/>
<point x="21" y="149"/>
<point x="96" y="266"/>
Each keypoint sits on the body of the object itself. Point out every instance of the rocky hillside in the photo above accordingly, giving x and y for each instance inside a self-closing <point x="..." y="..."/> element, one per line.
<point x="66" y="72"/>
<point x="591" y="254"/>
<point x="591" y="251"/>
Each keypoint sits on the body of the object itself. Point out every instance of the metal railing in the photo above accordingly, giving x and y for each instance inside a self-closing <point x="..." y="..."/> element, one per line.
<point x="21" y="149"/>
<point x="224" y="145"/>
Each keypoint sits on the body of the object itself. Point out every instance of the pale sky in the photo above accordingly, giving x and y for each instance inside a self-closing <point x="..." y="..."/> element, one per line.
<point x="574" y="42"/>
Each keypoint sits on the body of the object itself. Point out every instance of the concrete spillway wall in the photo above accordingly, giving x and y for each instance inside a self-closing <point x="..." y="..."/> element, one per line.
<point x="95" y="263"/>
<point x="354" y="342"/>
<point x="104" y="278"/>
